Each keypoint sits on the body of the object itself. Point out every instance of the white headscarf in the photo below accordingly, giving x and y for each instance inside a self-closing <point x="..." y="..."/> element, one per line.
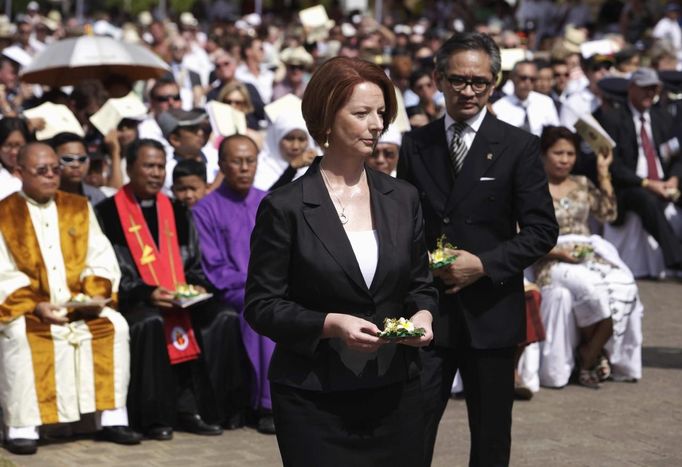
<point x="271" y="163"/>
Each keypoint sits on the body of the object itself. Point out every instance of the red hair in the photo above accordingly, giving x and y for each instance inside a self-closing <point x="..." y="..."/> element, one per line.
<point x="331" y="86"/>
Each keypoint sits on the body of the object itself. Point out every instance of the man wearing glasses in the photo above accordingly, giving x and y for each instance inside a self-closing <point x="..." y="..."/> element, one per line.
<point x="74" y="162"/>
<point x="526" y="109"/>
<point x="478" y="178"/>
<point x="58" y="361"/>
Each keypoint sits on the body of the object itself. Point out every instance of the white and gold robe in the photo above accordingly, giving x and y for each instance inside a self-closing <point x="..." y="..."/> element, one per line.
<point x="54" y="373"/>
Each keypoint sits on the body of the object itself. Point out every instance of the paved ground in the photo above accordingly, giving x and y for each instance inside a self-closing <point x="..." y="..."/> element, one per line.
<point x="623" y="424"/>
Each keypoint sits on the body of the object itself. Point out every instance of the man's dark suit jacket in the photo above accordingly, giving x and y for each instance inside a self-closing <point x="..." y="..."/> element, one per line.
<point x="302" y="267"/>
<point x="619" y="125"/>
<point x="498" y="208"/>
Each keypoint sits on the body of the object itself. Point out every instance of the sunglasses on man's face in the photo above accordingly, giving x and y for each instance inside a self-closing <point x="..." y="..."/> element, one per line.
<point x="43" y="170"/>
<point x="167" y="98"/>
<point x="72" y="159"/>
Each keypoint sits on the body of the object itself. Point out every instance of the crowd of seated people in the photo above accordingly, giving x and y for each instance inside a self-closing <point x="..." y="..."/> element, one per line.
<point x="171" y="199"/>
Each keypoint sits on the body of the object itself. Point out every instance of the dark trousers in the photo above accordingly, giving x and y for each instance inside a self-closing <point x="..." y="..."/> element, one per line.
<point x="649" y="208"/>
<point x="211" y="385"/>
<point x="488" y="377"/>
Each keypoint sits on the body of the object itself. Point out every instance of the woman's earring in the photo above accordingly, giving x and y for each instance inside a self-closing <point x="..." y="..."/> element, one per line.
<point x="326" y="142"/>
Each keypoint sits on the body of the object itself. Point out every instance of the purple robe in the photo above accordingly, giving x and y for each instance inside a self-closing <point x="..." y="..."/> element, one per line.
<point x="224" y="220"/>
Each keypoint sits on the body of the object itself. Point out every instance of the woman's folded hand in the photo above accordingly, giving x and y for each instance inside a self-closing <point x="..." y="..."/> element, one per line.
<point x="357" y="333"/>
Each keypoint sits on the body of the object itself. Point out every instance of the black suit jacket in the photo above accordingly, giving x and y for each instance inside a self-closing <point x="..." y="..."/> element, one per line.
<point x="619" y="125"/>
<point x="133" y="291"/>
<point x="502" y="185"/>
<point x="302" y="267"/>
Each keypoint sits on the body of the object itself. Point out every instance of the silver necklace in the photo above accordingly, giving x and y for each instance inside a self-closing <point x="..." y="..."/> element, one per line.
<point x="342" y="216"/>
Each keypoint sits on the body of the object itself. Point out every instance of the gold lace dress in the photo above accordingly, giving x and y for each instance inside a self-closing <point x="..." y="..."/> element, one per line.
<point x="572" y="212"/>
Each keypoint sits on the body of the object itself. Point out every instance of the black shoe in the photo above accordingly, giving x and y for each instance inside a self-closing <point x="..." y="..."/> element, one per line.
<point x="194" y="424"/>
<point x="118" y="435"/>
<point x="21" y="446"/>
<point x="159" y="433"/>
<point x="266" y="425"/>
<point x="234" y="422"/>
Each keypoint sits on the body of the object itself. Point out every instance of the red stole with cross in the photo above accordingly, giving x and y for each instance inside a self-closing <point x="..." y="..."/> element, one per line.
<point x="160" y="266"/>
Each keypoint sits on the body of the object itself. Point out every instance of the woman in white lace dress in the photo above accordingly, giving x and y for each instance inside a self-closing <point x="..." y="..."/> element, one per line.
<point x="584" y="282"/>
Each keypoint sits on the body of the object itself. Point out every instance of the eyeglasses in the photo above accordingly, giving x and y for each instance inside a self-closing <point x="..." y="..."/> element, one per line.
<point x="532" y="79"/>
<point x="561" y="75"/>
<point x="11" y="146"/>
<point x="296" y="67"/>
<point x="168" y="97"/>
<point x="72" y="159"/>
<point x="234" y="102"/>
<point x="387" y="153"/>
<point x="43" y="170"/>
<point x="459" y="84"/>
<point x="222" y="64"/>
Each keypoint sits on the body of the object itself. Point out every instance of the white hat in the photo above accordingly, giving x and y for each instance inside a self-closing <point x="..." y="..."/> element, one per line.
<point x="392" y="136"/>
<point x="188" y="19"/>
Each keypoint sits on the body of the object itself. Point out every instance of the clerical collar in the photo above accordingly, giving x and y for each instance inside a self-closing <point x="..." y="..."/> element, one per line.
<point x="147" y="203"/>
<point x="34" y="202"/>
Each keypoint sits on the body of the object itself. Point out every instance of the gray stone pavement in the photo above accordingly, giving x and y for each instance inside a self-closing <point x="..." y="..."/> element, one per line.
<point x="623" y="424"/>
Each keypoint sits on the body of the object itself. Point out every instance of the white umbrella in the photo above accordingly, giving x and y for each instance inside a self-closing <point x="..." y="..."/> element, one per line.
<point x="92" y="57"/>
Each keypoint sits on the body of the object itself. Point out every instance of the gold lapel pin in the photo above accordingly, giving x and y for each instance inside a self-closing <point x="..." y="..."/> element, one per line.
<point x="489" y="156"/>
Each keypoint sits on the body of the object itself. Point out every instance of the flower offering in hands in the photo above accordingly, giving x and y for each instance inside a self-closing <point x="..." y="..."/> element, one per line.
<point x="582" y="252"/>
<point x="444" y="254"/>
<point x="186" y="291"/>
<point x="400" y="328"/>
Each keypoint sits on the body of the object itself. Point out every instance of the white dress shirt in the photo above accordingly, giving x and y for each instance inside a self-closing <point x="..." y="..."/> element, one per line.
<point x="262" y="82"/>
<point x="540" y="108"/>
<point x="577" y="105"/>
<point x="469" y="132"/>
<point x="8" y="183"/>
<point x="642" y="166"/>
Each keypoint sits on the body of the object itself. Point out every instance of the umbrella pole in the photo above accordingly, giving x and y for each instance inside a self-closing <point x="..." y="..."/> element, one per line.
<point x="8" y="8"/>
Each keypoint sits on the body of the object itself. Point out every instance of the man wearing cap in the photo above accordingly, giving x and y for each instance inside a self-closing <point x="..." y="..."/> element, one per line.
<point x="385" y="155"/>
<point x="646" y="172"/>
<point x="184" y="131"/>
<point x="526" y="109"/>
<point x="587" y="100"/>
<point x="297" y="61"/>
<point x="185" y="361"/>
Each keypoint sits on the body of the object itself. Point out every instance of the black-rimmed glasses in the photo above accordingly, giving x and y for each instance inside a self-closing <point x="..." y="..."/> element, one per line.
<point x="459" y="84"/>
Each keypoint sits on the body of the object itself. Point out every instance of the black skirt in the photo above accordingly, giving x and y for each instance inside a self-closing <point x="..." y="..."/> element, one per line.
<point x="366" y="427"/>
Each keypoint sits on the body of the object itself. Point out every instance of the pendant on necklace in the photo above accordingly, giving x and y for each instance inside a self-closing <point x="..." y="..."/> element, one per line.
<point x="343" y="218"/>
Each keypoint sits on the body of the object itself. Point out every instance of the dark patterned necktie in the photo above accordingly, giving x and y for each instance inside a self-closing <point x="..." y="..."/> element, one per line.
<point x="526" y="123"/>
<point x="458" y="150"/>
